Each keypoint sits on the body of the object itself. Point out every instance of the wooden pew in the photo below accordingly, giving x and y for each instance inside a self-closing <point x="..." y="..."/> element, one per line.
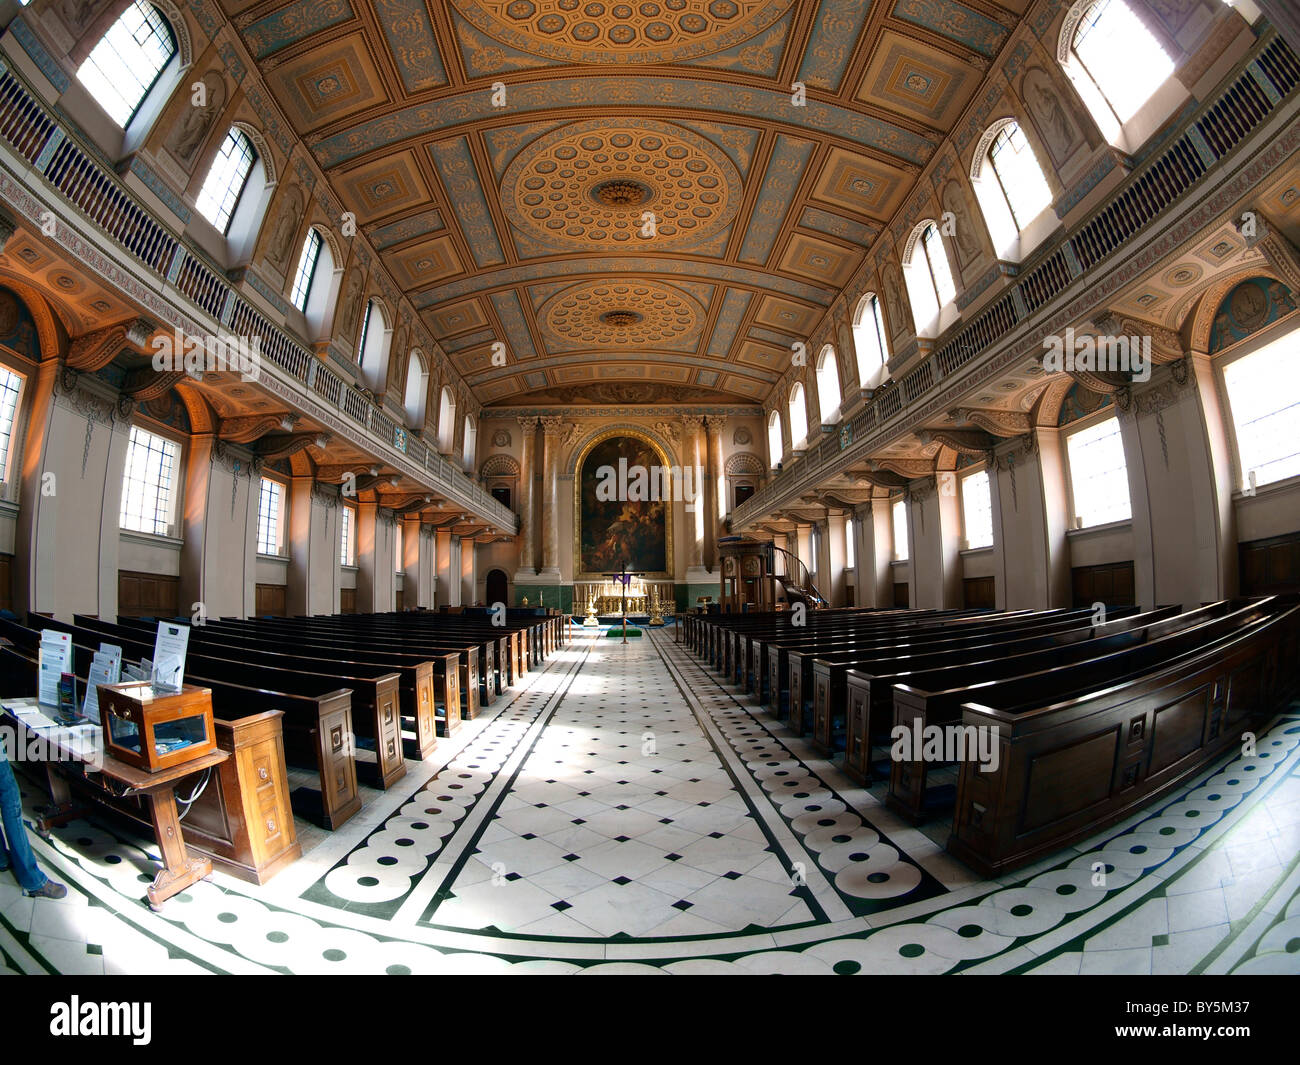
<point x="931" y="693"/>
<point x="824" y="673"/>
<point x="422" y="686"/>
<point x="1072" y="764"/>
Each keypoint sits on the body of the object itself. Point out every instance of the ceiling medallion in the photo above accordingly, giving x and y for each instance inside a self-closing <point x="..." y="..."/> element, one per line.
<point x="639" y="31"/>
<point x="587" y="185"/>
<point x="600" y="314"/>
<point x="620" y="319"/>
<point x="621" y="192"/>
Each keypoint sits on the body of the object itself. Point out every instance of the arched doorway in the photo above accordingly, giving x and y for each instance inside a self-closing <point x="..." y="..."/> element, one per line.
<point x="498" y="587"/>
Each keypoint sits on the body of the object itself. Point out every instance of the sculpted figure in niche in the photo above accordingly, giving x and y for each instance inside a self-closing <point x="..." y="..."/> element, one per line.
<point x="286" y="225"/>
<point x="1049" y="115"/>
<point x="954" y="200"/>
<point x="351" y="303"/>
<point x="894" y="299"/>
<point x="191" y="130"/>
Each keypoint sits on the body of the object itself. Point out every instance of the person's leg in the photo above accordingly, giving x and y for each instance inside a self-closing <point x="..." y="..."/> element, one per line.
<point x="20" y="850"/>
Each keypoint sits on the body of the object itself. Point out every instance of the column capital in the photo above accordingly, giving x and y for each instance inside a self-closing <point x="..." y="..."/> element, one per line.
<point x="553" y="425"/>
<point x="692" y="421"/>
<point x="526" y="421"/>
<point x="714" y="423"/>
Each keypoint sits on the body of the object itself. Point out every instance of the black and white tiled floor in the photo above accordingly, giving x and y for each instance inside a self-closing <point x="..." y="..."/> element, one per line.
<point x="622" y="810"/>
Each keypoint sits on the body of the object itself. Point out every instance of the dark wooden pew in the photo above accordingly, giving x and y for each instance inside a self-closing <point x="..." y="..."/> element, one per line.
<point x="824" y="673"/>
<point x="921" y="697"/>
<point x="1070" y="766"/>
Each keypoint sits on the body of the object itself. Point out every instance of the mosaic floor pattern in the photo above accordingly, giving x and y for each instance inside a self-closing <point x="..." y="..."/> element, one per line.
<point x="623" y="810"/>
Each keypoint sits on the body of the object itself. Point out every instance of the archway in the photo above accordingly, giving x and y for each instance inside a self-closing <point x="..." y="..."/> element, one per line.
<point x="498" y="587"/>
<point x="623" y="498"/>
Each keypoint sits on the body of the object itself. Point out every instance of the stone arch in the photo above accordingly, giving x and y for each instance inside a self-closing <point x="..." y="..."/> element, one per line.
<point x="499" y="466"/>
<point x="744" y="463"/>
<point x="622" y="429"/>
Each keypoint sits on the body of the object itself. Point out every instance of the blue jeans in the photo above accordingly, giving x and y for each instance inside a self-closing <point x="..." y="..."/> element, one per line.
<point x="18" y="853"/>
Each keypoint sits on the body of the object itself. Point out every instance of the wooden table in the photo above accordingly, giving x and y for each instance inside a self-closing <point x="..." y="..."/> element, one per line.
<point x="179" y="870"/>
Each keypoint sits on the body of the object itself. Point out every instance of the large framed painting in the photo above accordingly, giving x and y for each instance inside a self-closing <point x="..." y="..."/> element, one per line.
<point x="616" y="522"/>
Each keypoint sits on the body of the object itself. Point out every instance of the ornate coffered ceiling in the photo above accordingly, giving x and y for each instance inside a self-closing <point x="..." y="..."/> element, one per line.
<point x="505" y="157"/>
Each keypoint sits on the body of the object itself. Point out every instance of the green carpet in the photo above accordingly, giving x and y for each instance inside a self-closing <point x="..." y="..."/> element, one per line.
<point x="617" y="632"/>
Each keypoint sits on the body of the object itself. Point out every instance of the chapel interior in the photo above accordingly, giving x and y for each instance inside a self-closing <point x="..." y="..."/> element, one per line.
<point x="688" y="486"/>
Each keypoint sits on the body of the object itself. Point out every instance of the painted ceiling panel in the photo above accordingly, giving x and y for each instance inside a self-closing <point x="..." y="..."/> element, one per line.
<point x="627" y="195"/>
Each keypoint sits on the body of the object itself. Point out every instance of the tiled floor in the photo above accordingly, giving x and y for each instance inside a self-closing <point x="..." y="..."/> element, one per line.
<point x="622" y="809"/>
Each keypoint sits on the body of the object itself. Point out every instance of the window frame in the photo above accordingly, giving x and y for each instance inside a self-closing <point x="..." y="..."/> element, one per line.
<point x="176" y="489"/>
<point x="800" y="443"/>
<point x="966" y="475"/>
<point x="829" y="356"/>
<point x="894" y="511"/>
<point x="1273" y="333"/>
<point x="281" y="516"/>
<point x="254" y="157"/>
<point x="175" y="56"/>
<point x="313" y="234"/>
<point x="399" y="566"/>
<point x="12" y="436"/>
<point x="875" y="310"/>
<point x="348" y="536"/>
<point x="1073" y="429"/>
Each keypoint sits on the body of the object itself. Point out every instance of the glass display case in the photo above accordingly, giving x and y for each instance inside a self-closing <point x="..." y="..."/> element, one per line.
<point x="155" y="730"/>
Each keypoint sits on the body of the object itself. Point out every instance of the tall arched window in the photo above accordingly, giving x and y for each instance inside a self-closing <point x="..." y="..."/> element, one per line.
<point x="446" y="411"/>
<point x="1019" y="176"/>
<point x="470" y="445"/>
<point x="828" y="385"/>
<point x="929" y="279"/>
<point x="372" y="345"/>
<point x="870" y="341"/>
<point x="226" y="179"/>
<point x="306" y="272"/>
<point x="1116" y="62"/>
<point x="798" y="416"/>
<point x="417" y="387"/>
<point x="775" y="445"/>
<point x="128" y="61"/>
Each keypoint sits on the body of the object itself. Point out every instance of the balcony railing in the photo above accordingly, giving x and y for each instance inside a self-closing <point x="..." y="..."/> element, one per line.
<point x="1265" y="82"/>
<point x="102" y="201"/>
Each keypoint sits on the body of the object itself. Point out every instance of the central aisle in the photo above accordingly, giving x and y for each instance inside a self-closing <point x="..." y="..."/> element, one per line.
<point x="622" y="819"/>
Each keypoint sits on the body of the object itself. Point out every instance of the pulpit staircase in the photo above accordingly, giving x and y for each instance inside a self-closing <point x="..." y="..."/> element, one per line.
<point x="794" y="579"/>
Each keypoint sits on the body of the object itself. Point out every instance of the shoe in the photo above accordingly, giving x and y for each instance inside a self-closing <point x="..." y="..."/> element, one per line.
<point x="49" y="890"/>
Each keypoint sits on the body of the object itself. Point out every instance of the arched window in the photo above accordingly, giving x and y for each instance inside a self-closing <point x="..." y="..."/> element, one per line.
<point x="417" y="387"/>
<point x="315" y="282"/>
<point x="898" y="512"/>
<point x="1019" y="176"/>
<point x="226" y="179"/>
<point x="128" y="61"/>
<point x="446" y="411"/>
<point x="798" y="416"/>
<point x="471" y="444"/>
<point x="1116" y="62"/>
<point x="870" y="341"/>
<point x="775" y="445"/>
<point x="828" y="385"/>
<point x="929" y="280"/>
<point x="372" y="345"/>
<point x="306" y="272"/>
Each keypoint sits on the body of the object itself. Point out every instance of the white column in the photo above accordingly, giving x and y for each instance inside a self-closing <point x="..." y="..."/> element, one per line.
<point x="553" y="429"/>
<point x="527" y="545"/>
